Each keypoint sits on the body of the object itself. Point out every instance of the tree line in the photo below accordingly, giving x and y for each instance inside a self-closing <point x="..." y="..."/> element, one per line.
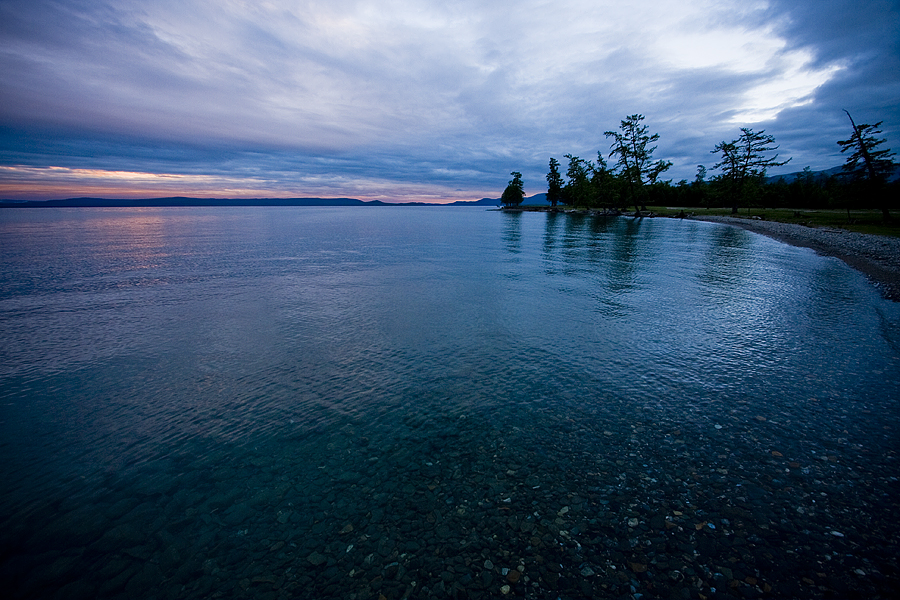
<point x="633" y="177"/>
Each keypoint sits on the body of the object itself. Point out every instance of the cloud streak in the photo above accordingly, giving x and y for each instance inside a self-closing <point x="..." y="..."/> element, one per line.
<point x="421" y="99"/>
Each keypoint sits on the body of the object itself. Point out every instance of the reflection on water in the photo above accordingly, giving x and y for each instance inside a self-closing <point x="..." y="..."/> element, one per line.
<point x="625" y="261"/>
<point x="552" y="224"/>
<point x="512" y="231"/>
<point x="728" y="259"/>
<point x="197" y="399"/>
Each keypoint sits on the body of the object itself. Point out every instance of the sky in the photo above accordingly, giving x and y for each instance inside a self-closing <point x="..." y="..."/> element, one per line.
<point x="419" y="100"/>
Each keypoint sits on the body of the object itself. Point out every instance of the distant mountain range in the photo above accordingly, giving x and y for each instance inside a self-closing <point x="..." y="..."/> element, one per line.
<point x="788" y="178"/>
<point x="182" y="201"/>
<point x="535" y="200"/>
<point x="821" y="175"/>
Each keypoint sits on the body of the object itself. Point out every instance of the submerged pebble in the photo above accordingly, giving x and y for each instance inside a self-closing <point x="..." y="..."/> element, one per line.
<point x="319" y="470"/>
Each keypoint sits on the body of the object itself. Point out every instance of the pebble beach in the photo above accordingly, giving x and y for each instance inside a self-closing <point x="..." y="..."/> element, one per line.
<point x="774" y="502"/>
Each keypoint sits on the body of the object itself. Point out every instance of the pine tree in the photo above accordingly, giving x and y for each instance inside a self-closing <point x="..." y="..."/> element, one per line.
<point x="630" y="144"/>
<point x="877" y="165"/>
<point x="554" y="183"/>
<point x="744" y="160"/>
<point x="514" y="193"/>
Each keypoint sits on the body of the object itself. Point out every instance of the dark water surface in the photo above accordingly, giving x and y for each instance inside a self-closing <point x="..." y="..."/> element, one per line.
<point x="438" y="402"/>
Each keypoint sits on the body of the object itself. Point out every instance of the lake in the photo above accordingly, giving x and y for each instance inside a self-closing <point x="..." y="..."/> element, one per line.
<point x="415" y="402"/>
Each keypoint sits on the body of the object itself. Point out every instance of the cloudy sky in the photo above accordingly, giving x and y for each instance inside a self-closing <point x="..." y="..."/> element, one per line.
<point x="430" y="100"/>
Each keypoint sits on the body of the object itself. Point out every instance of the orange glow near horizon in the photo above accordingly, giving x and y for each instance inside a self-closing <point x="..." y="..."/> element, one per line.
<point x="51" y="183"/>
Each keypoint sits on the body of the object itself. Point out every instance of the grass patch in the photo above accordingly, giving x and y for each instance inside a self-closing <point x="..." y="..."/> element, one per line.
<point x="862" y="221"/>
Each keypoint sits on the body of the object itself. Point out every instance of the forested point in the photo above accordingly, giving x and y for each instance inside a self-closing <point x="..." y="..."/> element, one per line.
<point x="738" y="179"/>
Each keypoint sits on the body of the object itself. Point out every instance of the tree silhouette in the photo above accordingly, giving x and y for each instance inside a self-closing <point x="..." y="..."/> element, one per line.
<point x="554" y="183"/>
<point x="744" y="160"/>
<point x="578" y="190"/>
<point x="630" y="144"/>
<point x="606" y="187"/>
<point x="877" y="164"/>
<point x="514" y="192"/>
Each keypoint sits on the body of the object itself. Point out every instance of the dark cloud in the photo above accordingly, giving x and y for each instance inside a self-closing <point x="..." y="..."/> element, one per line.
<point x="862" y="37"/>
<point x="428" y="99"/>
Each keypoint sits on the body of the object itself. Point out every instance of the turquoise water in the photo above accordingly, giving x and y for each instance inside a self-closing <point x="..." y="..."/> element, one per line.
<point x="197" y="401"/>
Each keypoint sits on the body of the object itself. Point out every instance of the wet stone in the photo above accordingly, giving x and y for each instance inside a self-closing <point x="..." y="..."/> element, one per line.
<point x="487" y="578"/>
<point x="630" y="529"/>
<point x="238" y="514"/>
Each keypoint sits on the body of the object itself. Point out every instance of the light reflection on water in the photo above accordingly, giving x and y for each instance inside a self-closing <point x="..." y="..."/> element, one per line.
<point x="156" y="338"/>
<point x="350" y="310"/>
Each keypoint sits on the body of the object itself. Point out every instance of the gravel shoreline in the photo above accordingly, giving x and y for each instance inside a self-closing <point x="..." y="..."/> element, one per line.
<point x="610" y="500"/>
<point x="876" y="256"/>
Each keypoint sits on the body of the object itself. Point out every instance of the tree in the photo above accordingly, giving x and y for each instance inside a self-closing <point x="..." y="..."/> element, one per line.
<point x="700" y="179"/>
<point x="578" y="189"/>
<point x="744" y="161"/>
<point x="877" y="164"/>
<point x="554" y="183"/>
<point x="514" y="192"/>
<point x="807" y="190"/>
<point x="630" y="144"/>
<point x="605" y="185"/>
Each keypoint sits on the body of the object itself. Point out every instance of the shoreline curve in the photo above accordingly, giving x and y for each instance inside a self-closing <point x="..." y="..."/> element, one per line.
<point x="875" y="256"/>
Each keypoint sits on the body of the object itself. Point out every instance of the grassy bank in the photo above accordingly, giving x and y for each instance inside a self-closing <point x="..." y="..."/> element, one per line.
<point x="862" y="221"/>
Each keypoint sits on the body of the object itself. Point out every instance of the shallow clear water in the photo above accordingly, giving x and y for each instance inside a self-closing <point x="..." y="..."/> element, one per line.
<point x="210" y="383"/>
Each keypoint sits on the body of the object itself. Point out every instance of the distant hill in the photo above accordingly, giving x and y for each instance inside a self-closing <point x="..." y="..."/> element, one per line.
<point x="536" y="200"/>
<point x="821" y="175"/>
<point x="788" y="178"/>
<point x="482" y="202"/>
<point x="183" y="201"/>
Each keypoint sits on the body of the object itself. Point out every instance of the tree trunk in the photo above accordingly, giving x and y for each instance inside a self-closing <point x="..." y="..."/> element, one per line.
<point x="736" y="189"/>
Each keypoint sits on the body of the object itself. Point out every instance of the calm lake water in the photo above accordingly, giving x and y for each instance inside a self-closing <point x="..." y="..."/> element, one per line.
<point x="347" y="402"/>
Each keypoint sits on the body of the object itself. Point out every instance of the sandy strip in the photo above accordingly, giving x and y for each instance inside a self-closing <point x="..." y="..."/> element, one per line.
<point x="876" y="256"/>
